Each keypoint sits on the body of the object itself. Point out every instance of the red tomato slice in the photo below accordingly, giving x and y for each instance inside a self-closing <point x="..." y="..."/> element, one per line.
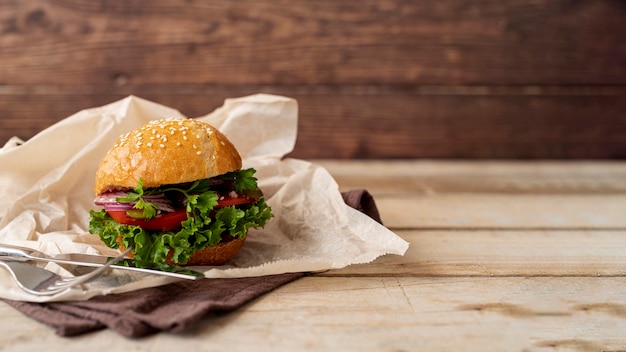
<point x="170" y="221"/>
<point x="163" y="222"/>
<point x="227" y="201"/>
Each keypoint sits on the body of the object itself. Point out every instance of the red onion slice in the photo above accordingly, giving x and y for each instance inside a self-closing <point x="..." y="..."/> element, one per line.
<point x="118" y="206"/>
<point x="109" y="201"/>
<point x="109" y="198"/>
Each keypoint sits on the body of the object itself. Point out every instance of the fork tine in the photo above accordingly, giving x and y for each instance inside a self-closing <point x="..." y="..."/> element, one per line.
<point x="68" y="282"/>
<point x="41" y="282"/>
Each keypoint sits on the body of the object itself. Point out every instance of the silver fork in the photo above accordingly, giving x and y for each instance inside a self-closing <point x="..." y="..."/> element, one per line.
<point x="42" y="282"/>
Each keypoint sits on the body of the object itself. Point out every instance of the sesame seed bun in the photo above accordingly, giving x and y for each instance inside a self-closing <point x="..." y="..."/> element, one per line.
<point x="172" y="151"/>
<point x="163" y="152"/>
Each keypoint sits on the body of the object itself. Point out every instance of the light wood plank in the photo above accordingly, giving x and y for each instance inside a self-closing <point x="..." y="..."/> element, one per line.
<point x="387" y="314"/>
<point x="427" y="177"/>
<point x="502" y="253"/>
<point x="502" y="211"/>
<point x="527" y="280"/>
<point x="490" y="195"/>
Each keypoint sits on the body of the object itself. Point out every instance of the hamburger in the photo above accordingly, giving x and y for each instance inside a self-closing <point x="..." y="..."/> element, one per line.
<point x="174" y="190"/>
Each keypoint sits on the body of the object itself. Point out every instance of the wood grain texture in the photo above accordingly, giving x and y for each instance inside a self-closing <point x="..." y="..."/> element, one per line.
<point x="456" y="289"/>
<point x="423" y="178"/>
<point x="327" y="42"/>
<point x="524" y="252"/>
<point x="369" y="125"/>
<point x="494" y="196"/>
<point x="386" y="314"/>
<point x="445" y="79"/>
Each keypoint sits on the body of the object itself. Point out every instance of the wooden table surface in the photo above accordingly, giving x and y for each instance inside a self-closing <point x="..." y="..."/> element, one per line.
<point x="504" y="256"/>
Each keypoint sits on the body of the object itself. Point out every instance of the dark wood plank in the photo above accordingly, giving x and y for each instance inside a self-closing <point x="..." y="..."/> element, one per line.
<point x="374" y="78"/>
<point x="397" y="42"/>
<point x="391" y="124"/>
<point x="409" y="126"/>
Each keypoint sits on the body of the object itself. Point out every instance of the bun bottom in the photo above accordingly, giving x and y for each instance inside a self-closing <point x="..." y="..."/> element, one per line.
<point x="213" y="255"/>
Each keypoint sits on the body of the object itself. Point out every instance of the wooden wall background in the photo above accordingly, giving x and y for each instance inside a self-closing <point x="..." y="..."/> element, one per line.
<point x="373" y="78"/>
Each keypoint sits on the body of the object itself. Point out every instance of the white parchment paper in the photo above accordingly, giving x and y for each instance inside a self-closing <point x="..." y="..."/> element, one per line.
<point x="47" y="183"/>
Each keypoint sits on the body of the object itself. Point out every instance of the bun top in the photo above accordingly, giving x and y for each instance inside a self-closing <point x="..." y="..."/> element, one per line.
<point x="165" y="152"/>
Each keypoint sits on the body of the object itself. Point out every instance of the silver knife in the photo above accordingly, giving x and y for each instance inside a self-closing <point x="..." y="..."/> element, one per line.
<point x="23" y="254"/>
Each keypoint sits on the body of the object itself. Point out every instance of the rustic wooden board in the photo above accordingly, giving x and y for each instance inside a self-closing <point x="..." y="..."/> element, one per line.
<point x="424" y="177"/>
<point x="387" y="314"/>
<point x="462" y="288"/>
<point x="490" y="195"/>
<point x="503" y="211"/>
<point x="519" y="253"/>
<point x="445" y="79"/>
<point x="368" y="125"/>
<point x="398" y="42"/>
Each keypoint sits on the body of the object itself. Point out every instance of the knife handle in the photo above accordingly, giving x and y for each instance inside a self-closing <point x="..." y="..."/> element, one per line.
<point x="15" y="252"/>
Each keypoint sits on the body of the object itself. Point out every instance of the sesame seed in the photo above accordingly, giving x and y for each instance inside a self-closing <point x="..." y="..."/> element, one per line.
<point x="194" y="147"/>
<point x="222" y="142"/>
<point x="162" y="145"/>
<point x="198" y="152"/>
<point x="177" y="143"/>
<point x="185" y="137"/>
<point x="149" y="144"/>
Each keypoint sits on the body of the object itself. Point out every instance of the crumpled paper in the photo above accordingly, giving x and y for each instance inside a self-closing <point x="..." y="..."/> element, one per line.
<point x="47" y="185"/>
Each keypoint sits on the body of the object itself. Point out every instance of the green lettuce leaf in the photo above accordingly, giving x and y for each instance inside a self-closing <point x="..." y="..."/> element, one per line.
<point x="205" y="228"/>
<point x="197" y="232"/>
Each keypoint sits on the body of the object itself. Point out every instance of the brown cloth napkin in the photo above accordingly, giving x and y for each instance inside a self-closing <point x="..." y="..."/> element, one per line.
<point x="173" y="307"/>
<point x="363" y="201"/>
